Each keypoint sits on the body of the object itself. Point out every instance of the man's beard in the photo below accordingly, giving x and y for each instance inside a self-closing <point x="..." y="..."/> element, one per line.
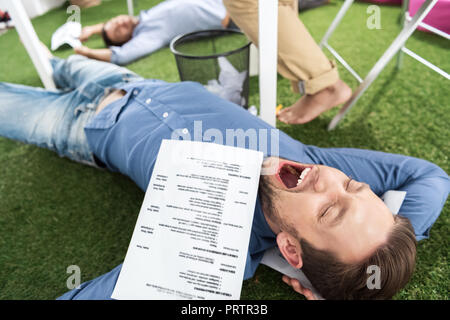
<point x="267" y="197"/>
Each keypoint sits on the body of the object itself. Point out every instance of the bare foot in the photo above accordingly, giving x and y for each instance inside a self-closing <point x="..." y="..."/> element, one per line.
<point x="309" y="107"/>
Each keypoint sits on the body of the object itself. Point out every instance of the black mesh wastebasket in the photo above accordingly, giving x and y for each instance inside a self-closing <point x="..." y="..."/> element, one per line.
<point x="218" y="59"/>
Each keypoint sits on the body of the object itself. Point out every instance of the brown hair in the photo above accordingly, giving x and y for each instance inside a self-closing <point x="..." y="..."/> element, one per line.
<point x="336" y="280"/>
<point x="108" y="42"/>
<point x="105" y="38"/>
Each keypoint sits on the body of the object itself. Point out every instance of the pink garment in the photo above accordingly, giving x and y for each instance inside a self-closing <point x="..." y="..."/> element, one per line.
<point x="390" y="2"/>
<point x="438" y="17"/>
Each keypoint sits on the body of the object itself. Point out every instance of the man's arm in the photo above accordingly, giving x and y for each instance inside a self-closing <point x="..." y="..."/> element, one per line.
<point x="138" y="47"/>
<point x="88" y="31"/>
<point x="98" y="54"/>
<point x="426" y="185"/>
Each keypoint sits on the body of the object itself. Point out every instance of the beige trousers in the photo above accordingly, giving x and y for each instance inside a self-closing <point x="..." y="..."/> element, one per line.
<point x="299" y="57"/>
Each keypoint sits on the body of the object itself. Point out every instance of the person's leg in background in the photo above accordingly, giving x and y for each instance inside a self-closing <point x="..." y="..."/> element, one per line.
<point x="300" y="60"/>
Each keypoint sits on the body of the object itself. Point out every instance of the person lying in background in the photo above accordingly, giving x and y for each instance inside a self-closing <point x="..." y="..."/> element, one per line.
<point x="320" y="206"/>
<point x="130" y="38"/>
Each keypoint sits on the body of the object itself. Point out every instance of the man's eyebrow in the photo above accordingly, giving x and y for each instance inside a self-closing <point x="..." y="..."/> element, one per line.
<point x="343" y="211"/>
<point x="362" y="186"/>
<point x="340" y="216"/>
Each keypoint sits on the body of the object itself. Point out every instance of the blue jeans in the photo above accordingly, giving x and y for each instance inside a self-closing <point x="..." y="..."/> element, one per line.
<point x="55" y="119"/>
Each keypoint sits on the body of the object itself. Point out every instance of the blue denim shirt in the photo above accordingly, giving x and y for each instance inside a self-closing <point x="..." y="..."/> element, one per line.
<point x="127" y="134"/>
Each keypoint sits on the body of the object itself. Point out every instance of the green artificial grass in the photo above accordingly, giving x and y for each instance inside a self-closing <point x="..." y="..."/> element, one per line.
<point x="55" y="213"/>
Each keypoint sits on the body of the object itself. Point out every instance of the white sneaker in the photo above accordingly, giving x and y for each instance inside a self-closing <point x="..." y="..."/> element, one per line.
<point x="2" y="25"/>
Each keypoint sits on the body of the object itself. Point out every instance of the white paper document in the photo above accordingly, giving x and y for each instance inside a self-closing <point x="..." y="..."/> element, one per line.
<point x="68" y="33"/>
<point x="192" y="233"/>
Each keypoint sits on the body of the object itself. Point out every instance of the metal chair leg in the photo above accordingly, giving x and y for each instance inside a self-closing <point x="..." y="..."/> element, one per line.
<point x="31" y="42"/>
<point x="342" y="11"/>
<point x="395" y="46"/>
<point x="403" y="22"/>
<point x="130" y="7"/>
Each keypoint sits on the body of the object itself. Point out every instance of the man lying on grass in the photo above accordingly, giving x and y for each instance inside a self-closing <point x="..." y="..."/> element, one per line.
<point x="129" y="38"/>
<point x="321" y="207"/>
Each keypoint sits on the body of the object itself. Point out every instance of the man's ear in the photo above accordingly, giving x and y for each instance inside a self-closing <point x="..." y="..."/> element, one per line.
<point x="290" y="249"/>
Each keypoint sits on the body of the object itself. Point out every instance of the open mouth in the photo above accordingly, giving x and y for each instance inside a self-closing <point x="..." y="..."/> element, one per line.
<point x="293" y="175"/>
